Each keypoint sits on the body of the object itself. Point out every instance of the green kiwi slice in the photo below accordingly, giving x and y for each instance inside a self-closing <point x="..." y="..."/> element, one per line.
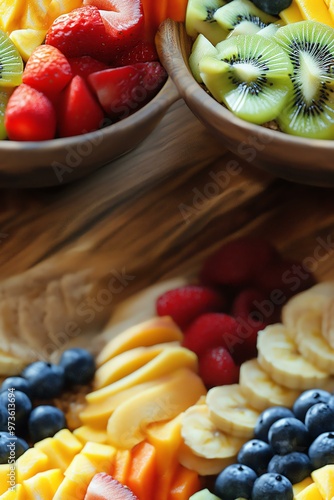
<point x="199" y="19"/>
<point x="11" y="64"/>
<point x="201" y="47"/>
<point x="309" y="111"/>
<point x="250" y="75"/>
<point x="243" y="13"/>
<point x="4" y="97"/>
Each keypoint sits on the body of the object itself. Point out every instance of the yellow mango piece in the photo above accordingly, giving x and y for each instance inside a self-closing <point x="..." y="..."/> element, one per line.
<point x="298" y="487"/>
<point x="71" y="490"/>
<point x="166" y="362"/>
<point x="43" y="485"/>
<point x="26" y="41"/>
<point x="10" y="14"/>
<point x="324" y="479"/>
<point x="53" y="451"/>
<point x="81" y="470"/>
<point x="317" y="11"/>
<point x="292" y="14"/>
<point x="69" y="443"/>
<point x="100" y="454"/>
<point x="86" y="433"/>
<point x="58" y="7"/>
<point x="156" y="330"/>
<point x="35" y="15"/>
<point x="97" y="414"/>
<point x="180" y="389"/>
<point x="30" y="463"/>
<point x="17" y="493"/>
<point x="5" y="477"/>
<point x="311" y="492"/>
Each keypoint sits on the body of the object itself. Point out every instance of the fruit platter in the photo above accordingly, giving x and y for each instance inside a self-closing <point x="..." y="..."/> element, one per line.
<point x="166" y="325"/>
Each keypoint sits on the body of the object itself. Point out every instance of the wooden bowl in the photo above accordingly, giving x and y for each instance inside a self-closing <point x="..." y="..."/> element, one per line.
<point x="307" y="161"/>
<point x="60" y="161"/>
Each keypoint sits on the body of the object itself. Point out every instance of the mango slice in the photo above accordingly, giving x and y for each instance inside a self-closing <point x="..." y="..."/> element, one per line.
<point x="311" y="492"/>
<point x="317" y="11"/>
<point x="292" y="14"/>
<point x="324" y="479"/>
<point x="26" y="40"/>
<point x="43" y="485"/>
<point x="30" y="463"/>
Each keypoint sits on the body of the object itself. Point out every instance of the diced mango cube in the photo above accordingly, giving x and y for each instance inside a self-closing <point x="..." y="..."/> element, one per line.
<point x="30" y="463"/>
<point x="52" y="449"/>
<point x="81" y="470"/>
<point x="26" y="40"/>
<point x="298" y="487"/>
<point x="311" y="492"/>
<point x="70" y="490"/>
<point x="324" y="479"/>
<point x="58" y="7"/>
<point x="68" y="442"/>
<point x="16" y="493"/>
<point x="43" y="485"/>
<point x="101" y="454"/>
<point x="87" y="433"/>
<point x="5" y="477"/>
<point x="166" y="439"/>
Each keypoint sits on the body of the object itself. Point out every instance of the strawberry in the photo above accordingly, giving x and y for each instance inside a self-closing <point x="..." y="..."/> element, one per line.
<point x="252" y="302"/>
<point x="143" y="51"/>
<point x="216" y="367"/>
<point x="78" y="111"/>
<point x="122" y="91"/>
<point x="186" y="303"/>
<point x="123" y="19"/>
<point x="47" y="70"/>
<point x="81" y="32"/>
<point x="85" y="65"/>
<point x="238" y="262"/>
<point x="105" y="487"/>
<point x="211" y="330"/>
<point x="29" y="115"/>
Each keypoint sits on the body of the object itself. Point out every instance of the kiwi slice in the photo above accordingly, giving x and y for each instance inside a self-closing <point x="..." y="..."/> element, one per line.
<point x="250" y="75"/>
<point x="244" y="13"/>
<point x="201" y="47"/>
<point x="4" y="98"/>
<point x="199" y="19"/>
<point x="309" y="111"/>
<point x="11" y="64"/>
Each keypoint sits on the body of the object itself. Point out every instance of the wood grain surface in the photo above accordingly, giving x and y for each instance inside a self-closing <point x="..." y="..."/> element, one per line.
<point x="156" y="213"/>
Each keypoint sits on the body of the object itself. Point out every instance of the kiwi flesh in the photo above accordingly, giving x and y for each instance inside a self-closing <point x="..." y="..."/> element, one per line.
<point x="4" y="97"/>
<point x="231" y="15"/>
<point x="309" y="111"/>
<point x="199" y="19"/>
<point x="11" y="64"/>
<point x="201" y="47"/>
<point x="250" y="75"/>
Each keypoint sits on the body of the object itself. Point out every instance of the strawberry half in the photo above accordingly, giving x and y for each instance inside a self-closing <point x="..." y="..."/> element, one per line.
<point x="78" y="110"/>
<point x="143" y="51"/>
<point x="124" y="20"/>
<point x="122" y="91"/>
<point x="81" y="32"/>
<point x="85" y="65"/>
<point x="30" y="115"/>
<point x="47" y="70"/>
<point x="105" y="487"/>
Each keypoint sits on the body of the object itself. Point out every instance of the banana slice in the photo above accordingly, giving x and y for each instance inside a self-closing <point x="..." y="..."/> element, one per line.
<point x="203" y="436"/>
<point x="279" y="356"/>
<point x="312" y="344"/>
<point x="231" y="412"/>
<point x="315" y="298"/>
<point x="203" y="466"/>
<point x="10" y="365"/>
<point x="261" y="390"/>
<point x="327" y="328"/>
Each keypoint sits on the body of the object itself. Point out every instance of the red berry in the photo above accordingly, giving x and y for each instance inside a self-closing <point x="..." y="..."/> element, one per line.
<point x="47" y="70"/>
<point x="105" y="487"/>
<point x="254" y="304"/>
<point x="216" y="367"/>
<point x="78" y="110"/>
<point x="238" y="262"/>
<point x="29" y="115"/>
<point x="211" y="330"/>
<point x="143" y="51"/>
<point x="85" y="65"/>
<point x="186" y="303"/>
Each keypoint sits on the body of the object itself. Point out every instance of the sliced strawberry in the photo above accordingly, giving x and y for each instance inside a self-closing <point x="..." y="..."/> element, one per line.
<point x="85" y="65"/>
<point x="105" y="487"/>
<point x="217" y="367"/>
<point x="186" y="303"/>
<point x="47" y="70"/>
<point x="143" y="51"/>
<point x="81" y="32"/>
<point x="29" y="115"/>
<point x="122" y="91"/>
<point x="124" y="20"/>
<point x="78" y="110"/>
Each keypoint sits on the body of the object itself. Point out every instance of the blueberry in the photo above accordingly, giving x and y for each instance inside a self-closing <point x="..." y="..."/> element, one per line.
<point x="307" y="399"/>
<point x="3" y="418"/>
<point x="10" y="447"/>
<point x="319" y="419"/>
<point x="272" y="7"/>
<point x="19" y="407"/>
<point x="44" y="421"/>
<point x="331" y="403"/>
<point x="235" y="481"/>
<point x="321" y="451"/>
<point x="295" y="466"/>
<point x="17" y="383"/>
<point x="271" y="486"/>
<point x="287" y="435"/>
<point x="46" y="379"/>
<point x="79" y="366"/>
<point x="267" y="418"/>
<point x="256" y="454"/>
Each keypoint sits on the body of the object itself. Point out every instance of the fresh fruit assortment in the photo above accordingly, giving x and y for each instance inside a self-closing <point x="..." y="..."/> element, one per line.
<point x="270" y="63"/>
<point x="72" y="67"/>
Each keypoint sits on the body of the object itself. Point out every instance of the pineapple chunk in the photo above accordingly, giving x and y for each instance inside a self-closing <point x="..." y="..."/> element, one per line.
<point x="311" y="492"/>
<point x="30" y="463"/>
<point x="17" y="493"/>
<point x="43" y="485"/>
<point x="26" y="41"/>
<point x="324" y="479"/>
<point x="58" y="7"/>
<point x="298" y="487"/>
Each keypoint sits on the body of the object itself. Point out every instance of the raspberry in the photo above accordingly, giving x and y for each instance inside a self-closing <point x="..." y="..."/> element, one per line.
<point x="211" y="330"/>
<point x="216" y="367"/>
<point x="238" y="262"/>
<point x="253" y="304"/>
<point x="186" y="303"/>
